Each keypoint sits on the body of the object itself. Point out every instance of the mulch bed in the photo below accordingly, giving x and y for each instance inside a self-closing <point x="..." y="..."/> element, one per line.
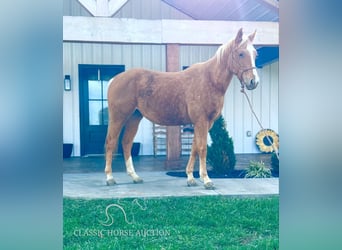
<point x="213" y="175"/>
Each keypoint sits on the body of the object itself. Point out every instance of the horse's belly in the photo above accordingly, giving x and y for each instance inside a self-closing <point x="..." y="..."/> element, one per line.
<point x="169" y="115"/>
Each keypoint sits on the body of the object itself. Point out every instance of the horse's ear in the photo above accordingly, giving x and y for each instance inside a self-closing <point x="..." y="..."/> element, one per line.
<point x="251" y="36"/>
<point x="238" y="38"/>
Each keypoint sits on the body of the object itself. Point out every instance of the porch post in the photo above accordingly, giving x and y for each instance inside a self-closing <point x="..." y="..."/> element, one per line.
<point x="173" y="132"/>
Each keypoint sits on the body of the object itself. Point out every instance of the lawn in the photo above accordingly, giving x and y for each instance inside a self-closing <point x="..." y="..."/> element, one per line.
<point x="206" y="222"/>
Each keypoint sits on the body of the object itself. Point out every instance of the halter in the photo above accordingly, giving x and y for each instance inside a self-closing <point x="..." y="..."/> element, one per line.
<point x="242" y="72"/>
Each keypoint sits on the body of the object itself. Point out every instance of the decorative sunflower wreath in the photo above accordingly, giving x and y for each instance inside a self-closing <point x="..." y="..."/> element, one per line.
<point x="264" y="140"/>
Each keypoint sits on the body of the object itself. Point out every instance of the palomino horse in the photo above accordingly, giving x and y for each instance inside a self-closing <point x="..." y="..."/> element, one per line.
<point x="193" y="96"/>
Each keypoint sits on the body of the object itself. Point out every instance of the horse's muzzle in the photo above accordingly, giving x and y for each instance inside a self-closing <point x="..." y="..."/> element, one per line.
<point x="252" y="84"/>
<point x="249" y="78"/>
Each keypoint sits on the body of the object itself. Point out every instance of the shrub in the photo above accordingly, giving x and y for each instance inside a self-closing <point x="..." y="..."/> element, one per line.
<point x="258" y="170"/>
<point x="220" y="153"/>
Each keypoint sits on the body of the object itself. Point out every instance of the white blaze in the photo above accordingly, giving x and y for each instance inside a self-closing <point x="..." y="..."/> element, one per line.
<point x="251" y="50"/>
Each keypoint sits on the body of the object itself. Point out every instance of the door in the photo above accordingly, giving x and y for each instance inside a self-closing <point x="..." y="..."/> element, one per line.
<point x="93" y="81"/>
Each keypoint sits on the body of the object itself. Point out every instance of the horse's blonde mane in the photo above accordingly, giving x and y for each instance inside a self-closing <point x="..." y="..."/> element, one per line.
<point x="222" y="51"/>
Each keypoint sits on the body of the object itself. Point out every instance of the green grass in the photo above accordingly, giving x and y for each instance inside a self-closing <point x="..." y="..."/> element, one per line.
<point x="209" y="222"/>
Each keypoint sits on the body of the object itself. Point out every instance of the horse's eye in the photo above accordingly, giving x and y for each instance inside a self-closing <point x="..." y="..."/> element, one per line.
<point x="241" y="55"/>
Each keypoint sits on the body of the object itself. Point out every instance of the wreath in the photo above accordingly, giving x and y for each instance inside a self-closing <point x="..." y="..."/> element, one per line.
<point x="265" y="139"/>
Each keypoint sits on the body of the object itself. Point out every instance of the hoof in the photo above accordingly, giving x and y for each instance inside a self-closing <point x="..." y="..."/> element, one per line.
<point x="110" y="182"/>
<point x="191" y="183"/>
<point x="138" y="180"/>
<point x="209" y="186"/>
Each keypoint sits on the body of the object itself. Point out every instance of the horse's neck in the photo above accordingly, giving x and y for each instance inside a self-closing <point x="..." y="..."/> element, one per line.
<point x="219" y="76"/>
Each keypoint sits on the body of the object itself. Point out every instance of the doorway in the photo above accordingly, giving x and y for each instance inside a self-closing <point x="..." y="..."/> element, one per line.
<point x="93" y="86"/>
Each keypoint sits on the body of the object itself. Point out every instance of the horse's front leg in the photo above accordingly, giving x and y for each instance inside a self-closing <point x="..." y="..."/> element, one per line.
<point x="201" y="134"/>
<point x="190" y="166"/>
<point x="110" y="146"/>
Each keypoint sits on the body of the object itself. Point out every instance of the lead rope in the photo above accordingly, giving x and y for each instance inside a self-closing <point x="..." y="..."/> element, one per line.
<point x="256" y="117"/>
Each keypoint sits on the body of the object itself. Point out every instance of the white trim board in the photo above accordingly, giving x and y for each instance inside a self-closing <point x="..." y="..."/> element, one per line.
<point x="129" y="30"/>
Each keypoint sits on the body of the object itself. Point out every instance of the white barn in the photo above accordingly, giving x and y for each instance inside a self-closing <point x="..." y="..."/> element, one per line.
<point x="103" y="38"/>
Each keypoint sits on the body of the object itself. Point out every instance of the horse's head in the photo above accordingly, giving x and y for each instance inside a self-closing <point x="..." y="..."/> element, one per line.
<point x="243" y="57"/>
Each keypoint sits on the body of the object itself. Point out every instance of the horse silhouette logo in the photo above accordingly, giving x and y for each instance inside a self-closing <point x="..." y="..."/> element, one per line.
<point x="109" y="218"/>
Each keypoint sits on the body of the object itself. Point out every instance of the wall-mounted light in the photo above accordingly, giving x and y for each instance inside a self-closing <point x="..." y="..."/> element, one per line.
<point x="67" y="83"/>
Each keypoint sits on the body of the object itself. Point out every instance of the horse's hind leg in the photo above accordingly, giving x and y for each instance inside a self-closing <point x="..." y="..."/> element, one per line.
<point x="114" y="129"/>
<point x="131" y="128"/>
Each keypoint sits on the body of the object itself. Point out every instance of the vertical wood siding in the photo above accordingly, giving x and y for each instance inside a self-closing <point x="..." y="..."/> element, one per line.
<point x="236" y="110"/>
